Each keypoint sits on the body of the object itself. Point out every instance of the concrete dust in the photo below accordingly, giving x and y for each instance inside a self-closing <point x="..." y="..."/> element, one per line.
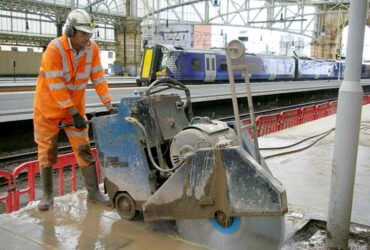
<point x="313" y="236"/>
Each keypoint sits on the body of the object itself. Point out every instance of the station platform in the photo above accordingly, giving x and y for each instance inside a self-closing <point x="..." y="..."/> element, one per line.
<point x="74" y="223"/>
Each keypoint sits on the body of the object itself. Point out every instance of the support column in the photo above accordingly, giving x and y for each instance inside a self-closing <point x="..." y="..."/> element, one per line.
<point x="270" y="14"/>
<point x="347" y="133"/>
<point x="59" y="29"/>
<point x="129" y="49"/>
<point x="59" y="23"/>
<point x="328" y="35"/>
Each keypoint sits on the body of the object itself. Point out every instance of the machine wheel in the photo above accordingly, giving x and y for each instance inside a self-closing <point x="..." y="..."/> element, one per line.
<point x="126" y="206"/>
<point x="237" y="233"/>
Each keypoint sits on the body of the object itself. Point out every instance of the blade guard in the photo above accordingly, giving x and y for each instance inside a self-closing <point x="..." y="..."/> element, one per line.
<point x="211" y="180"/>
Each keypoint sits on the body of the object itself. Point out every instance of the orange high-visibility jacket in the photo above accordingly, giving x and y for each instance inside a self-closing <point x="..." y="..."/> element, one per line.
<point x="64" y="76"/>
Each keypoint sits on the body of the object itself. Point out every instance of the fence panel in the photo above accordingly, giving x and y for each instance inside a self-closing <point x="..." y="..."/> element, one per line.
<point x="98" y="167"/>
<point x="31" y="168"/>
<point x="12" y="197"/>
<point x="290" y="118"/>
<point x="332" y="107"/>
<point x="8" y="197"/>
<point x="63" y="162"/>
<point x="267" y="124"/>
<point x="308" y="113"/>
<point x="322" y="110"/>
<point x="364" y="100"/>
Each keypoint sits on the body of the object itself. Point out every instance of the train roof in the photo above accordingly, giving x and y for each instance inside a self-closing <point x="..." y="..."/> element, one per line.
<point x="214" y="50"/>
<point x="218" y="50"/>
<point x="196" y="50"/>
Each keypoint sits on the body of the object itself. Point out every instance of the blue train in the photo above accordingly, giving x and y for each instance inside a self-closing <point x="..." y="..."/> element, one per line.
<point x="209" y="66"/>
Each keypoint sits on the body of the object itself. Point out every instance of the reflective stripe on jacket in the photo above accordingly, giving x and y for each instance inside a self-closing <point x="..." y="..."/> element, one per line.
<point x="64" y="76"/>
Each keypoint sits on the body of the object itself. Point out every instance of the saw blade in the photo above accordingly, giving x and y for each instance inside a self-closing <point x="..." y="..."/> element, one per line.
<point x="255" y="232"/>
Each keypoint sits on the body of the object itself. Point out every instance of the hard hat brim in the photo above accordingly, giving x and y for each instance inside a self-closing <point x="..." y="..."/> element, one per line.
<point x="89" y="30"/>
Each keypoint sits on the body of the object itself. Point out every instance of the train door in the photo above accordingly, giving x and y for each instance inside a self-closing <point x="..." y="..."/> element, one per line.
<point x="146" y="66"/>
<point x="154" y="60"/>
<point x="210" y="67"/>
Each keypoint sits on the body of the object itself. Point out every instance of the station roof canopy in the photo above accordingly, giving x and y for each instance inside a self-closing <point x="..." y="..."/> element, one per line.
<point x="22" y="19"/>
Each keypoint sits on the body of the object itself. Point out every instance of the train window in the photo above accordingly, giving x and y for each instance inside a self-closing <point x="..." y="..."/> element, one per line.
<point x="213" y="64"/>
<point x="223" y="66"/>
<point x="195" y="64"/>
<point x="207" y="64"/>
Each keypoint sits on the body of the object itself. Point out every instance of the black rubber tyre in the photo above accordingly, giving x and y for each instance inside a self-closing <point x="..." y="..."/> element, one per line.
<point x="125" y="206"/>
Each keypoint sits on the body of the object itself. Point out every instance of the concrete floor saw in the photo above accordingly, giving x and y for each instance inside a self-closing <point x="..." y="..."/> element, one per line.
<point x="160" y="161"/>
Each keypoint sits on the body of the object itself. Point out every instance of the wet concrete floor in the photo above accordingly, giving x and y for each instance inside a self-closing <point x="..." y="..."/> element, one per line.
<point x="74" y="223"/>
<point x="306" y="175"/>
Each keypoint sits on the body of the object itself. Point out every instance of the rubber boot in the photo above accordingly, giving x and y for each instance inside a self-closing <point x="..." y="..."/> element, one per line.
<point x="91" y="180"/>
<point x="47" y="199"/>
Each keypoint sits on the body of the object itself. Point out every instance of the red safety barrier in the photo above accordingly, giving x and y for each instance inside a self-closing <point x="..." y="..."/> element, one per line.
<point x="63" y="162"/>
<point x="322" y="110"/>
<point x="268" y="124"/>
<point x="12" y="198"/>
<point x="8" y="197"/>
<point x="332" y="107"/>
<point x="308" y="114"/>
<point x="31" y="168"/>
<point x="364" y="100"/>
<point x="290" y="118"/>
<point x="246" y="122"/>
<point x="97" y="163"/>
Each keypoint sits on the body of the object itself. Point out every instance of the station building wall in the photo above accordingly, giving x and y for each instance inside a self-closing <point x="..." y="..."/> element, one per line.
<point x="26" y="63"/>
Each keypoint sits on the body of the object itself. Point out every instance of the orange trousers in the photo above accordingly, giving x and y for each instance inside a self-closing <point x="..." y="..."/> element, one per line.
<point x="46" y="135"/>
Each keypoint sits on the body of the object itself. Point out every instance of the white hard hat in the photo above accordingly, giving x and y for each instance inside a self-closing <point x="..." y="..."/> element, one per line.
<point x="81" y="20"/>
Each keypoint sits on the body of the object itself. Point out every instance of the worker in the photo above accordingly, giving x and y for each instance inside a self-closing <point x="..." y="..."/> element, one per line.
<point x="66" y="66"/>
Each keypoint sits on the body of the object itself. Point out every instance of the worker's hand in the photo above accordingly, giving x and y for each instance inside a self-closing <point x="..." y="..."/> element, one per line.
<point x="113" y="111"/>
<point x="79" y="121"/>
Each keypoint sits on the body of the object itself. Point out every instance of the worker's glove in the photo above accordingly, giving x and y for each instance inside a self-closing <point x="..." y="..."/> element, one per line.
<point x="113" y="111"/>
<point x="79" y="121"/>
